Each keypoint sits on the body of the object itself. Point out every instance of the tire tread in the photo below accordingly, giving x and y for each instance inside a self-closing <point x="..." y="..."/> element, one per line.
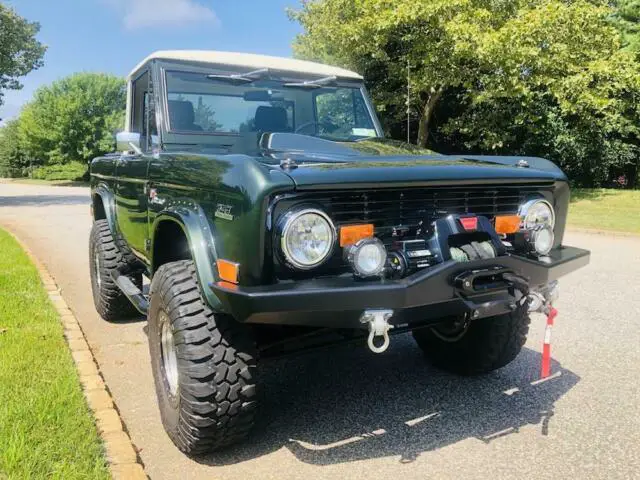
<point x="215" y="404"/>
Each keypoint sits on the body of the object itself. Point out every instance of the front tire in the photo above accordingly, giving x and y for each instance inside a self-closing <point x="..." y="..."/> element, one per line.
<point x="203" y="365"/>
<point x="478" y="346"/>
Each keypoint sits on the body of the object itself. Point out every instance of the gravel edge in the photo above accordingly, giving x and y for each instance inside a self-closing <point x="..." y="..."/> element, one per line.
<point x="121" y="454"/>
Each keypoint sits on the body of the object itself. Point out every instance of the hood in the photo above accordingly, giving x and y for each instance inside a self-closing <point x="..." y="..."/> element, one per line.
<point x="315" y="163"/>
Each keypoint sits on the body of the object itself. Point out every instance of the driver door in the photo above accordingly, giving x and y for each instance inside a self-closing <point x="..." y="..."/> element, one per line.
<point x="132" y="208"/>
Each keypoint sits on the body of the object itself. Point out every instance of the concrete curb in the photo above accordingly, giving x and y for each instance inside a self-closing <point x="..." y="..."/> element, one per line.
<point x="121" y="454"/>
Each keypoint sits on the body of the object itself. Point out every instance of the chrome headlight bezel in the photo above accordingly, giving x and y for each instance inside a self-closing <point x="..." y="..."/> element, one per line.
<point x="526" y="209"/>
<point x="285" y="224"/>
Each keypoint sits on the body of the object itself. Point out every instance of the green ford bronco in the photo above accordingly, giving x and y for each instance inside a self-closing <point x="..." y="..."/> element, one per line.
<point x="260" y="198"/>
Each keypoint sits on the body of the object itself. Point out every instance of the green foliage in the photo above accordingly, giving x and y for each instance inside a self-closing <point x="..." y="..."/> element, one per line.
<point x="46" y="429"/>
<point x="535" y="77"/>
<point x="74" y="118"/>
<point x="627" y="19"/>
<point x="69" y="171"/>
<point x="71" y="120"/>
<point x="13" y="160"/>
<point x="20" y="52"/>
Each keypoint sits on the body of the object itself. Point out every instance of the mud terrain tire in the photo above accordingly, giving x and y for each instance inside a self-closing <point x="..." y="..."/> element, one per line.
<point x="106" y="257"/>
<point x="487" y="344"/>
<point x="205" y="386"/>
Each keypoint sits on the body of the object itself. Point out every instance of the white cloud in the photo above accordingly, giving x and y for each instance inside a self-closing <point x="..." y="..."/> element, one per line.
<point x="166" y="13"/>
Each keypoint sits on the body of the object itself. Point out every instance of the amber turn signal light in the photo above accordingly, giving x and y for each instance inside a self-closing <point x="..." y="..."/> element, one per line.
<point x="351" y="234"/>
<point x="228" y="271"/>
<point x="508" y="223"/>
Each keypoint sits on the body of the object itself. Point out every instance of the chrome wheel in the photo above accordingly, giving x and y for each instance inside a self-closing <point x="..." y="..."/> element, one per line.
<point x="96" y="266"/>
<point x="168" y="352"/>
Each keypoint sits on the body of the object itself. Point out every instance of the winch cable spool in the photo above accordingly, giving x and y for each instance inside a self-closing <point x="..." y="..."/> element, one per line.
<point x="458" y="255"/>
<point x="473" y="251"/>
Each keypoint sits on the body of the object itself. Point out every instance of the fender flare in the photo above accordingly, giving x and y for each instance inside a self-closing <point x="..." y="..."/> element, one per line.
<point x="109" y="204"/>
<point x="200" y="237"/>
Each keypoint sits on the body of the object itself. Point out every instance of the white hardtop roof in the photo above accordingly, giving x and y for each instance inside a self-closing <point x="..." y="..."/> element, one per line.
<point x="249" y="60"/>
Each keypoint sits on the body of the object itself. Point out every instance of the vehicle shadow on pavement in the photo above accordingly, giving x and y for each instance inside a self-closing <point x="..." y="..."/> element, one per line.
<point x="347" y="404"/>
<point x="43" y="200"/>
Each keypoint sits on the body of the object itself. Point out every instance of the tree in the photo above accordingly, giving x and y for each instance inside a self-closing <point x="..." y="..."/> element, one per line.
<point x="13" y="161"/>
<point x="205" y="116"/>
<point x="491" y="76"/>
<point x="627" y="19"/>
<point x="74" y="118"/>
<point x="20" y="52"/>
<point x="381" y="38"/>
<point x="553" y="82"/>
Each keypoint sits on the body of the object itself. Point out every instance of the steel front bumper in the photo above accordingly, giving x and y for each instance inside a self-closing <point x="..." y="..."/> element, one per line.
<point x="425" y="296"/>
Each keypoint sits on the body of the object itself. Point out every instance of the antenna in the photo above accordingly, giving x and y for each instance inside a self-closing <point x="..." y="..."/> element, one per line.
<point x="408" y="102"/>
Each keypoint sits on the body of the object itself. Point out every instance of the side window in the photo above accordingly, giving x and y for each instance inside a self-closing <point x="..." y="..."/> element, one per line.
<point x="143" y="116"/>
<point x="341" y="112"/>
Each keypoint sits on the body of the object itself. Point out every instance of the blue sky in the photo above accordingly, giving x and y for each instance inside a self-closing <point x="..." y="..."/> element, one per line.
<point x="114" y="35"/>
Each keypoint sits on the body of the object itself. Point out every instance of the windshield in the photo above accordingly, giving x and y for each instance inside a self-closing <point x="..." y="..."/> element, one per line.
<point x="219" y="104"/>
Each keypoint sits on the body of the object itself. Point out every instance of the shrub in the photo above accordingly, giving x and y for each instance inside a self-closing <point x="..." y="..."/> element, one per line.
<point x="73" y="171"/>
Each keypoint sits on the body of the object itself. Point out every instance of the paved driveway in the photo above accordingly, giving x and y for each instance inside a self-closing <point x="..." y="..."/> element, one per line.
<point x="346" y="413"/>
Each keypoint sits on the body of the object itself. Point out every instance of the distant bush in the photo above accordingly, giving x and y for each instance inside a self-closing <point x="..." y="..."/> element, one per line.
<point x="72" y="120"/>
<point x="72" y="171"/>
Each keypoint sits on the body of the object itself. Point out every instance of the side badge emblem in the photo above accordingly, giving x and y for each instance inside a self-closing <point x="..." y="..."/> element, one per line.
<point x="224" y="212"/>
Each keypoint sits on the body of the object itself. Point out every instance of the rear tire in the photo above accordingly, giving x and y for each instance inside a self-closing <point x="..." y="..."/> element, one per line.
<point x="105" y="258"/>
<point x="203" y="365"/>
<point x="486" y="344"/>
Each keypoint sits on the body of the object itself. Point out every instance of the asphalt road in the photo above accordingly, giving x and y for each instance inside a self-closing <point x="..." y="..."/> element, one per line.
<point x="346" y="413"/>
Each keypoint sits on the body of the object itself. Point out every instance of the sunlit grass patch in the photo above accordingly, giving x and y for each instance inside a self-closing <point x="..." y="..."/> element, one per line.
<point x="46" y="428"/>
<point x="605" y="209"/>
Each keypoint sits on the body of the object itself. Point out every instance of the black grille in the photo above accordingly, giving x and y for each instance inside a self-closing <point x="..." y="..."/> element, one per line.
<point x="406" y="213"/>
<point x="391" y="209"/>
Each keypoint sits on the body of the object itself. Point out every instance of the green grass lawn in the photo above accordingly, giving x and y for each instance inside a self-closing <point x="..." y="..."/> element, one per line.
<point x="605" y="209"/>
<point x="46" y="428"/>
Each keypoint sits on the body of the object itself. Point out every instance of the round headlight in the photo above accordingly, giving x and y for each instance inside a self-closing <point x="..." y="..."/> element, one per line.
<point x="537" y="213"/>
<point x="307" y="238"/>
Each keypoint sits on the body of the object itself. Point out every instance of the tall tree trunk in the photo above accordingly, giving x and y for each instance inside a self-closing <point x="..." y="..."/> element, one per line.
<point x="425" y="118"/>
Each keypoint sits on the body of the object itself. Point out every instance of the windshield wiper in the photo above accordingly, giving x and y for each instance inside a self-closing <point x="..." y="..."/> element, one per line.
<point x="312" y="83"/>
<point x="241" y="77"/>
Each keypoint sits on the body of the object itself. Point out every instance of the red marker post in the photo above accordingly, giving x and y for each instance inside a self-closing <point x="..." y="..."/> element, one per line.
<point x="545" y="371"/>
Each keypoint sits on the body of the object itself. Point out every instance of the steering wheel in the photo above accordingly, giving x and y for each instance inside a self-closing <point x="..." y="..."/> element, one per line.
<point x="327" y="125"/>
<point x="305" y="125"/>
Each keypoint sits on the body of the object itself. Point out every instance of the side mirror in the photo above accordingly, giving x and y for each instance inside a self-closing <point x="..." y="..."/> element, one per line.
<point x="128" y="142"/>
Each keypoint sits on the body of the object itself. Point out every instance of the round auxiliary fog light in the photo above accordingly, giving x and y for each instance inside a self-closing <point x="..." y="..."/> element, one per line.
<point x="367" y="257"/>
<point x="542" y="240"/>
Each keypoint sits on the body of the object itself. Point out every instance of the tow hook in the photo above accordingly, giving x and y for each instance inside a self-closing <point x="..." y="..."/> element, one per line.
<point x="542" y="300"/>
<point x="378" y="325"/>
